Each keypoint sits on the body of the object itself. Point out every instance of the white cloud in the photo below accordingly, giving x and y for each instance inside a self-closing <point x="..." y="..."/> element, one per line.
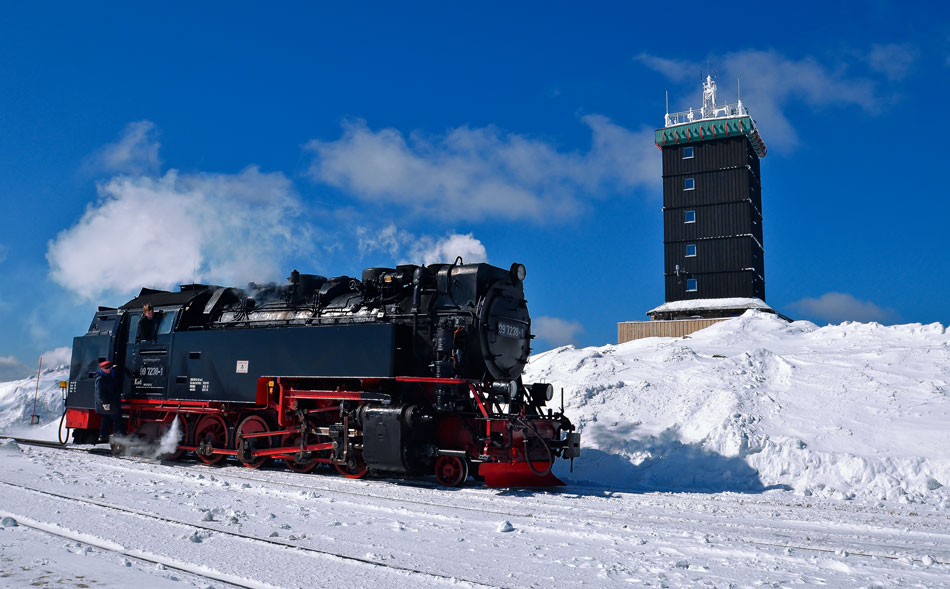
<point x="136" y="151"/>
<point x="674" y="69"/>
<point x="163" y="231"/>
<point x="555" y="331"/>
<point x="835" y="307"/>
<point x="12" y="369"/>
<point x="57" y="356"/>
<point x="3" y="252"/>
<point x="893" y="60"/>
<point x="484" y="172"/>
<point x="770" y="83"/>
<point x="406" y="248"/>
<point x="388" y="240"/>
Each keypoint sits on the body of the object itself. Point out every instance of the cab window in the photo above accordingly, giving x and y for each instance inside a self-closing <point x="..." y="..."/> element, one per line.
<point x="134" y="325"/>
<point x="168" y="321"/>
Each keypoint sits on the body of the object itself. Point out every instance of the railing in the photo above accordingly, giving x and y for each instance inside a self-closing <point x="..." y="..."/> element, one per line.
<point x="689" y="116"/>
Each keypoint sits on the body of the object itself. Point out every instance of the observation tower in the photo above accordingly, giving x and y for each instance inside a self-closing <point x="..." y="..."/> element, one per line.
<point x="714" y="262"/>
<point x="712" y="202"/>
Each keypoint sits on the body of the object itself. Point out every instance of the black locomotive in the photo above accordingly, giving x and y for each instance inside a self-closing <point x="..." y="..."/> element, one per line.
<point x="408" y="370"/>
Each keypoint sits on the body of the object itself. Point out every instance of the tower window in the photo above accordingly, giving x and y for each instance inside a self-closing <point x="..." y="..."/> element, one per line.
<point x="688" y="152"/>
<point x="690" y="250"/>
<point x="689" y="183"/>
<point x="689" y="216"/>
<point x="692" y="285"/>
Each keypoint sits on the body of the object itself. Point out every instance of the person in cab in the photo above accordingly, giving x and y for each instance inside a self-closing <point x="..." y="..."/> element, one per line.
<point x="148" y="325"/>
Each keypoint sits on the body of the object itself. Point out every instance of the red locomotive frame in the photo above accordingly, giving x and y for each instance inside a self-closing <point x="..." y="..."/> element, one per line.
<point x="306" y="422"/>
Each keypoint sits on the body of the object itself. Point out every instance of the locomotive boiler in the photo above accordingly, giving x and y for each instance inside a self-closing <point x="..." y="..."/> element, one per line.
<point x="404" y="371"/>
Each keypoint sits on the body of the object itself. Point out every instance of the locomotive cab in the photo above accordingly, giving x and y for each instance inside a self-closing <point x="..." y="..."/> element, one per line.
<point x="96" y="346"/>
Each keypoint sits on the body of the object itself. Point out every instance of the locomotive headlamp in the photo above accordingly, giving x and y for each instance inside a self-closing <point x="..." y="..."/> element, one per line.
<point x="505" y="390"/>
<point x="541" y="392"/>
<point x="518" y="271"/>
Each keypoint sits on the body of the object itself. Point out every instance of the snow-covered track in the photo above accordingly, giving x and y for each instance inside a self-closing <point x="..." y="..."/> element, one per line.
<point x="45" y="443"/>
<point x="195" y="568"/>
<point x="576" y="536"/>
<point x="560" y="510"/>
<point x="547" y="506"/>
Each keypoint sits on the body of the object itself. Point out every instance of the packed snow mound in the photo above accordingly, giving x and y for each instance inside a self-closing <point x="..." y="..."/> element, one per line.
<point x="16" y="404"/>
<point x="755" y="402"/>
<point x="698" y="304"/>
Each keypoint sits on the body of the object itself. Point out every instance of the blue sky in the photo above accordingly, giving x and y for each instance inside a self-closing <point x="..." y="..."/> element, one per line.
<point x="233" y="142"/>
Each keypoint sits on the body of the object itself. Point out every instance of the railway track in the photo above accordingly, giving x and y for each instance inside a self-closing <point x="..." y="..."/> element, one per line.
<point x="263" y="542"/>
<point x="138" y="555"/>
<point x="603" y="517"/>
<point x="553" y="512"/>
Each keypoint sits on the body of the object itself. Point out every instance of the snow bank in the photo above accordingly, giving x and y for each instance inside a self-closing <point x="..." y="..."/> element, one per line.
<point x="729" y="303"/>
<point x="857" y="409"/>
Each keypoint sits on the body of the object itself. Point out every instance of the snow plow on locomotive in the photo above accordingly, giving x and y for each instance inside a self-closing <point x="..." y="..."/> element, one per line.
<point x="406" y="371"/>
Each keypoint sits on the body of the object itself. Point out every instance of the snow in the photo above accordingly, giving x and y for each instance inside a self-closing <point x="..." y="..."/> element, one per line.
<point x="704" y="304"/>
<point x="755" y="402"/>
<point x="754" y="452"/>
<point x="17" y="400"/>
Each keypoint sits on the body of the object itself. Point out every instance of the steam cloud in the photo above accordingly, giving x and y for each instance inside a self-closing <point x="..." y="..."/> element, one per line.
<point x="406" y="248"/>
<point x="160" y="232"/>
<point x="153" y="449"/>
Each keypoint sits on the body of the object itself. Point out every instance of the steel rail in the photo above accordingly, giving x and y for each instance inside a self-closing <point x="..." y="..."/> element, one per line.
<point x="528" y="515"/>
<point x="250" y="538"/>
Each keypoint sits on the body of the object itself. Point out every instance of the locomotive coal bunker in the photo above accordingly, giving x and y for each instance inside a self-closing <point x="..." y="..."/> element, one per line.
<point x="408" y="370"/>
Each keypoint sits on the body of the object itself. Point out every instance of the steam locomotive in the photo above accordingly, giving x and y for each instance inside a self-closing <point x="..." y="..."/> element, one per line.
<point x="406" y="371"/>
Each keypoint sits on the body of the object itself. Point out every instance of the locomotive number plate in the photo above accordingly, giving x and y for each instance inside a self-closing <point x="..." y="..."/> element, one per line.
<point x="510" y="330"/>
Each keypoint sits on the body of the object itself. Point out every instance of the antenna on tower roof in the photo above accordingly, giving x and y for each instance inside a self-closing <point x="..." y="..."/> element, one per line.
<point x="739" y="97"/>
<point x="666" y="119"/>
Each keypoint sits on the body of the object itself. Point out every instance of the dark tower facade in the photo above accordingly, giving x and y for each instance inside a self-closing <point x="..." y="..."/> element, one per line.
<point x="712" y="202"/>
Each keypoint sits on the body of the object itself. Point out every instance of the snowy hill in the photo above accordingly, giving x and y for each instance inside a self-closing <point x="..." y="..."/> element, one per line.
<point x="850" y="410"/>
<point x="16" y="404"/>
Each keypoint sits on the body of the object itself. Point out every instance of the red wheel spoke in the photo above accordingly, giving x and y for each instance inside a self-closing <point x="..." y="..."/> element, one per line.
<point x="212" y="430"/>
<point x="451" y="471"/>
<point x="307" y="463"/>
<point x="253" y="425"/>
<point x="356" y="469"/>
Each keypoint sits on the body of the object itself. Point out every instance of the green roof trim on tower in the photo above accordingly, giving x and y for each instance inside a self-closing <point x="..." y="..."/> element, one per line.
<point x="709" y="129"/>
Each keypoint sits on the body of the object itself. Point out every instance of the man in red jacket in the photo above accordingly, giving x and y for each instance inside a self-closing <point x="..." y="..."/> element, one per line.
<point x="108" y="402"/>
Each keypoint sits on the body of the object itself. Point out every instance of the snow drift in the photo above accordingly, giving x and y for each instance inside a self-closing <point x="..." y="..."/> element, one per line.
<point x="857" y="409"/>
